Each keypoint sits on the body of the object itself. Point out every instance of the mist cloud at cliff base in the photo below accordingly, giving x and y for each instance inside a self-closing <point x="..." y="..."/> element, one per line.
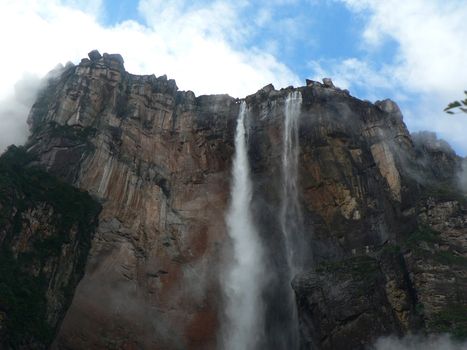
<point x="462" y="177"/>
<point x="432" y="342"/>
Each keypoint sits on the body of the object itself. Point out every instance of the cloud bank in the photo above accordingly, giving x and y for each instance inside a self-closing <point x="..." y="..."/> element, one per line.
<point x="434" y="342"/>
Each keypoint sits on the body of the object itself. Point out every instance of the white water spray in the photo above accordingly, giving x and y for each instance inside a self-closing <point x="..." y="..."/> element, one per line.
<point x="291" y="215"/>
<point x="244" y="327"/>
<point x="291" y="219"/>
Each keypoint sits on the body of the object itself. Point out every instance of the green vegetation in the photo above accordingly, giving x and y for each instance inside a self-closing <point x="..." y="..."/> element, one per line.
<point x="359" y="267"/>
<point x="423" y="233"/>
<point x="23" y="282"/>
<point x="420" y="309"/>
<point x="71" y="132"/>
<point x="431" y="236"/>
<point x="445" y="191"/>
<point x="391" y="249"/>
<point x="457" y="106"/>
<point x="452" y="319"/>
<point x="71" y="205"/>
<point x="449" y="258"/>
<point x="22" y="296"/>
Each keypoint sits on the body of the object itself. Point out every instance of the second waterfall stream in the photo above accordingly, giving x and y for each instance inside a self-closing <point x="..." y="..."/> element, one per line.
<point x="291" y="214"/>
<point x="245" y="326"/>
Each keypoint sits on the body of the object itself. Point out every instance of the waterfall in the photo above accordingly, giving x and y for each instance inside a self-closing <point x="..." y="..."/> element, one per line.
<point x="291" y="215"/>
<point x="249" y="311"/>
<point x="243" y="328"/>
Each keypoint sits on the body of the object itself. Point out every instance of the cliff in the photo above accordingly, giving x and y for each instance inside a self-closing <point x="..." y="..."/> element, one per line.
<point x="46" y="228"/>
<point x="383" y="224"/>
<point x="158" y="160"/>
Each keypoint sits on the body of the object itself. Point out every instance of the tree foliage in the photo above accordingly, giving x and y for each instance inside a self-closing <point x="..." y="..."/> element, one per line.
<point x="457" y="106"/>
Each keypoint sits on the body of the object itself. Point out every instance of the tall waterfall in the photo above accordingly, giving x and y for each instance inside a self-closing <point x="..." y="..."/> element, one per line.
<point x="291" y="216"/>
<point x="243" y="328"/>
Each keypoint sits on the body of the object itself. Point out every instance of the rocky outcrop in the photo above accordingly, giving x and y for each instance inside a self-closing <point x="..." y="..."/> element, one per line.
<point x="158" y="160"/>
<point x="415" y="274"/>
<point x="417" y="285"/>
<point x="436" y="257"/>
<point x="46" y="228"/>
<point x="344" y="304"/>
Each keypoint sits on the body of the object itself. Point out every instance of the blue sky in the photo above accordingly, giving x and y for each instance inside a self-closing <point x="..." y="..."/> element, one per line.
<point x="411" y="51"/>
<point x="321" y="30"/>
<point x="115" y="12"/>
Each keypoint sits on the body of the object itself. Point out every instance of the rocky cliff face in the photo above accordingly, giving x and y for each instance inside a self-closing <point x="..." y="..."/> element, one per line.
<point x="158" y="160"/>
<point x="46" y="228"/>
<point x="384" y="230"/>
<point x="405" y="274"/>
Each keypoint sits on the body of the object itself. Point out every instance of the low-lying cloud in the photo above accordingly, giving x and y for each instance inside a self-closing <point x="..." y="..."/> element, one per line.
<point x="462" y="177"/>
<point x="433" y="342"/>
<point x="14" y="109"/>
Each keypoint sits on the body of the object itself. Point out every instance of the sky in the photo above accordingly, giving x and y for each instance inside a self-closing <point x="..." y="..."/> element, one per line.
<point x="412" y="51"/>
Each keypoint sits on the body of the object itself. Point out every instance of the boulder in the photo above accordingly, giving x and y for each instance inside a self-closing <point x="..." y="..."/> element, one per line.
<point x="94" y="55"/>
<point x="328" y="83"/>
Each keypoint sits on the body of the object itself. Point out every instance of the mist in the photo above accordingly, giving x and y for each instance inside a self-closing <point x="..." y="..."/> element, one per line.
<point x="14" y="109"/>
<point x="462" y="177"/>
<point x="433" y="342"/>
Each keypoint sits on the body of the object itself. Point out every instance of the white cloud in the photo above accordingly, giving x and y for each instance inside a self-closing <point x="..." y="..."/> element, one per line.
<point x="352" y="72"/>
<point x="431" y="36"/>
<point x="198" y="46"/>
<point x="263" y="17"/>
<point x="432" y="342"/>
<point x="428" y="70"/>
<point x="14" y="107"/>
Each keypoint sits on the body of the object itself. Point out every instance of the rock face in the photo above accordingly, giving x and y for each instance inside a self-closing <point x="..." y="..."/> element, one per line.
<point x="385" y="232"/>
<point x="46" y="228"/>
<point x="158" y="160"/>
<point x="411" y="280"/>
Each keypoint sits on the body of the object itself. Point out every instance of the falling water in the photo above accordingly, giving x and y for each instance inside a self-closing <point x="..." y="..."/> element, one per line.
<point x="291" y="215"/>
<point x="244" y="325"/>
